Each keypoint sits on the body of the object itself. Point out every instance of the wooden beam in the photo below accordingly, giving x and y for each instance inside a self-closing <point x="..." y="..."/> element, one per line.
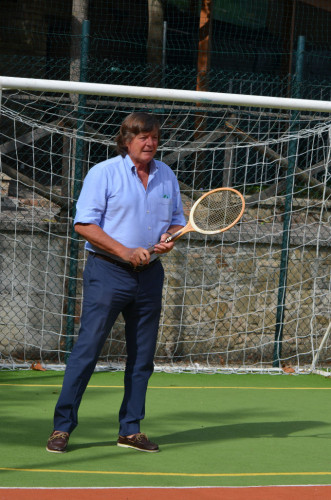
<point x="34" y="185"/>
<point x="24" y="140"/>
<point x="283" y="163"/>
<point x="204" y="49"/>
<point x="319" y="4"/>
<point x="79" y="14"/>
<point x="191" y="147"/>
<point x="28" y="139"/>
<point x="155" y="42"/>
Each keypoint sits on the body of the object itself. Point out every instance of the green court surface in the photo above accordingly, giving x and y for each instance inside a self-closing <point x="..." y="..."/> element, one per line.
<point x="213" y="430"/>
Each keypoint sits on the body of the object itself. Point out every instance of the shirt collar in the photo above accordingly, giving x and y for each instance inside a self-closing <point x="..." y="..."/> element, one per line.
<point x="129" y="163"/>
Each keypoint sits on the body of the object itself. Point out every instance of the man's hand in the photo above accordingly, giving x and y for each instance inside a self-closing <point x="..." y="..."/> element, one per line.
<point x="163" y="247"/>
<point x="95" y="235"/>
<point x="137" y="256"/>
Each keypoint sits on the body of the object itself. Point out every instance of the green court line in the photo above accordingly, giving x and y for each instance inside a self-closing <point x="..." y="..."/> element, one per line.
<point x="182" y="387"/>
<point x="172" y="474"/>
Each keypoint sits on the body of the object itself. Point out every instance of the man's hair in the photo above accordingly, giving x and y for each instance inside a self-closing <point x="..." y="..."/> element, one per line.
<point x="132" y="125"/>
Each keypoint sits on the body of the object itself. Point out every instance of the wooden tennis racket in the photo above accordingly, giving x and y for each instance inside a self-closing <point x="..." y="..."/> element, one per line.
<point x="214" y="212"/>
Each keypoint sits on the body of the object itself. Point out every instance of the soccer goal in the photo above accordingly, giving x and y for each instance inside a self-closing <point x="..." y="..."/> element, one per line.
<point x="256" y="298"/>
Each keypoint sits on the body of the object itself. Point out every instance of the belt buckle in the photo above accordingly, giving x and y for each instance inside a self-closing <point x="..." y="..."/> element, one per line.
<point x="139" y="268"/>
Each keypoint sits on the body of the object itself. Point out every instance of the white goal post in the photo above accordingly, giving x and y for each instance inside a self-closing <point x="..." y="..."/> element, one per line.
<point x="254" y="299"/>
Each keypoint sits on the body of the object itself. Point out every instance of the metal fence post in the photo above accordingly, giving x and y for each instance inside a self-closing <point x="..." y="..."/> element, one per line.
<point x="78" y="174"/>
<point x="290" y="176"/>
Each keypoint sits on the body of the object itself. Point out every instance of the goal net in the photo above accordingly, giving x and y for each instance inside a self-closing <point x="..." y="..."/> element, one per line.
<point x="256" y="298"/>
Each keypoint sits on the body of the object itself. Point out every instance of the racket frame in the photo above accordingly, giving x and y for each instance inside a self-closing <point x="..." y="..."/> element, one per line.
<point x="191" y="226"/>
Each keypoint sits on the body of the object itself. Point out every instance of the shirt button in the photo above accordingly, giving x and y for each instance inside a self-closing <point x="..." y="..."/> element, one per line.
<point x="149" y="228"/>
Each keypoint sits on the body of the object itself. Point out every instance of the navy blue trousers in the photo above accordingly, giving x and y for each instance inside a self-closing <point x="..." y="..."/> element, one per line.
<point x="108" y="291"/>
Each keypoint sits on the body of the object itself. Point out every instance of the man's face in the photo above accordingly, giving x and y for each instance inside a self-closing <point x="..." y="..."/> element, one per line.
<point x="142" y="147"/>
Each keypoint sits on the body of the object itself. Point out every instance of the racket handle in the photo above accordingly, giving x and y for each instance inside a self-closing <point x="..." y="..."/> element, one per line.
<point x="170" y="238"/>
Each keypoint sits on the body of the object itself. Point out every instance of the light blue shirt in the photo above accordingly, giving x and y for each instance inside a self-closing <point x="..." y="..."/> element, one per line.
<point x="114" y="198"/>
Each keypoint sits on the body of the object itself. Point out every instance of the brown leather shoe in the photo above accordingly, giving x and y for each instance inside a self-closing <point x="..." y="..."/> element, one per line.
<point x="58" y="442"/>
<point x="138" y="441"/>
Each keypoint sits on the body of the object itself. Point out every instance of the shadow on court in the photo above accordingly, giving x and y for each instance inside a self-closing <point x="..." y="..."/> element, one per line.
<point x="248" y="430"/>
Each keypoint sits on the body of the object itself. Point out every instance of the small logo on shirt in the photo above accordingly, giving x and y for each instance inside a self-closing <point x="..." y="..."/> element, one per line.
<point x="166" y="196"/>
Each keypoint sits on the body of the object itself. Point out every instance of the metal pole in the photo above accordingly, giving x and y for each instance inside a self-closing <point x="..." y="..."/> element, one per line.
<point x="288" y="211"/>
<point x="78" y="174"/>
<point x="164" y="52"/>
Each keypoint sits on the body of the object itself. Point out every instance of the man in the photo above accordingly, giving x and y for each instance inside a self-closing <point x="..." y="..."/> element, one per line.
<point x="126" y="204"/>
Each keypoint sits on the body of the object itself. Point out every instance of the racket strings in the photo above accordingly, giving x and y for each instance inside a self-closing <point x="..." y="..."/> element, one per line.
<point x="217" y="211"/>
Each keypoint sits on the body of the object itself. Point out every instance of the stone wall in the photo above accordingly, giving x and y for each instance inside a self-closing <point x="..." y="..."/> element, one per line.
<point x="32" y="291"/>
<point x="220" y="295"/>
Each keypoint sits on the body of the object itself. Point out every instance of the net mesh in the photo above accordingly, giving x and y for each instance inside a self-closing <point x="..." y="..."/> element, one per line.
<point x="226" y="295"/>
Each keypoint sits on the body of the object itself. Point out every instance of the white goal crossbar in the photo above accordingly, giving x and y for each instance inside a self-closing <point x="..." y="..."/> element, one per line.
<point x="164" y="94"/>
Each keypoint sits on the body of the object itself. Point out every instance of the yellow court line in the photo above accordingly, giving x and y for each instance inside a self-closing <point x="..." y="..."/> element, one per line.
<point x="180" y="387"/>
<point x="34" y="385"/>
<point x="182" y="474"/>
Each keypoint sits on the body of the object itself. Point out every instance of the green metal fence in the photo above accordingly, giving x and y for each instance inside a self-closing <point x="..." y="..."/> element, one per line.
<point x="251" y="47"/>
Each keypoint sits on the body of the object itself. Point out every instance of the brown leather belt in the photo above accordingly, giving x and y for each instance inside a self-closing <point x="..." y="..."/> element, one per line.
<point x="124" y="265"/>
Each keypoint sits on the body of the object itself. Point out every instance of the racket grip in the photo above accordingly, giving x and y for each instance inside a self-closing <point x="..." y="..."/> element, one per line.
<point x="170" y="238"/>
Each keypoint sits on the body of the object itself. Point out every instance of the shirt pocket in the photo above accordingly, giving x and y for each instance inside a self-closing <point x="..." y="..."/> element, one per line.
<point x="165" y="210"/>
